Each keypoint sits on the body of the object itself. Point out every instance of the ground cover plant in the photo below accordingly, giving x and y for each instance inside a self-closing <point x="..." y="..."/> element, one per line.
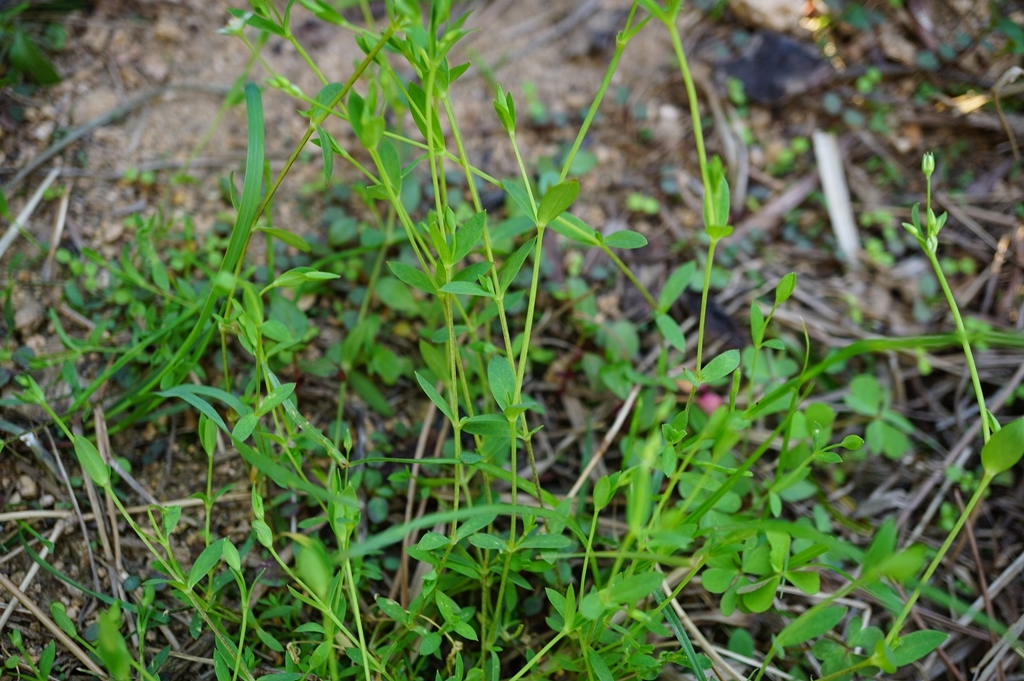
<point x="359" y="560"/>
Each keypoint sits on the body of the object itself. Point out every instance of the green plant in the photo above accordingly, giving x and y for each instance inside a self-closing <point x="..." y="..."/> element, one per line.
<point x="514" y="584"/>
<point x="39" y="670"/>
<point x="23" y="32"/>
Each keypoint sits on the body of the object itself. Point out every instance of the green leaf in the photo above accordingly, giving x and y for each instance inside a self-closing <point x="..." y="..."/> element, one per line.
<point x="392" y="609"/>
<point x="551" y="542"/>
<point x="502" y="379"/>
<point x="785" y="288"/>
<point x="392" y="165"/>
<point x="632" y="589"/>
<point x="852" y="442"/>
<point x="244" y="427"/>
<point x="571" y="227"/>
<point x="602" y="493"/>
<point x="884" y="658"/>
<point x="521" y="198"/>
<point x="435" y="397"/>
<point x="432" y="540"/>
<point x="720" y="366"/>
<point x="206" y="561"/>
<point x="276" y="397"/>
<point x="676" y="284"/>
<point x="91" y="461"/>
<point x="468" y="235"/>
<point x="600" y="667"/>
<point x="473" y="272"/>
<point x="808" y="582"/>
<point x="759" y="599"/>
<point x="716" y="199"/>
<point x="327" y="151"/>
<point x="486" y="425"/>
<point x="828" y="457"/>
<point x="466" y="288"/>
<point x="430" y="644"/>
<point x="916" y="645"/>
<point x="779" y="542"/>
<point x="717" y="580"/>
<point x="625" y="239"/>
<point x="654" y="9"/>
<point x="27" y="58"/>
<point x="5" y="211"/>
<point x="413" y="277"/>
<point x="513" y="264"/>
<point x="171" y="515"/>
<point x="811" y="624"/>
<point x="60" y="616"/>
<point x="487" y="542"/>
<point x="671" y="331"/>
<point x="557" y="200"/>
<point x="756" y="324"/>
<point x="111" y="647"/>
<point x="231" y="556"/>
<point x="865" y="396"/>
<point x="286" y="237"/>
<point x="1004" y="448"/>
<point x="261" y="24"/>
<point x="418" y="108"/>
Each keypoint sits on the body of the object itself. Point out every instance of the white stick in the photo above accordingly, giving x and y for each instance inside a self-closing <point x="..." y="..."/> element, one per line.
<point x="26" y="212"/>
<point x="837" y="194"/>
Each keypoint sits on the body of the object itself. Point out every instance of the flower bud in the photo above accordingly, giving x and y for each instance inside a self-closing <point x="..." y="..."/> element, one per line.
<point x="928" y="164"/>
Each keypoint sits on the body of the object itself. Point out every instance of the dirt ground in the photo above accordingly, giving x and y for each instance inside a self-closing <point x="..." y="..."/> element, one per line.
<point x="166" y="64"/>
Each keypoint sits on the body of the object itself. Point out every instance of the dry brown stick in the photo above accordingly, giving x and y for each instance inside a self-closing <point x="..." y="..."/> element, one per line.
<point x="951" y="667"/>
<point x="58" y="528"/>
<point x="957" y="212"/>
<point x="45" y="620"/>
<point x="401" y="577"/>
<point x="118" y="573"/>
<point x="79" y="132"/>
<point x="58" y="231"/>
<point x="698" y="636"/>
<point x="995" y="403"/>
<point x="774" y="209"/>
<point x="132" y="510"/>
<point x="19" y="222"/>
<point x="620" y="418"/>
<point x="982" y="582"/>
<point x="77" y="511"/>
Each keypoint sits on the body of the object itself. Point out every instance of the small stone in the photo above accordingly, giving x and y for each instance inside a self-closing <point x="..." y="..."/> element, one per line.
<point x="895" y="46"/>
<point x="44" y="130"/>
<point x="154" y="66"/>
<point x="28" y="312"/>
<point x="112" y="230"/>
<point x="27" y="487"/>
<point x="46" y="501"/>
<point x="168" y="30"/>
<point x="775" y="15"/>
<point x="96" y="37"/>
<point x="95" y="102"/>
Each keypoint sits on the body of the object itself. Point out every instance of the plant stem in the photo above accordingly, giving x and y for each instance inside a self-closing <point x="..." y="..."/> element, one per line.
<point x="964" y="517"/>
<point x="961" y="331"/>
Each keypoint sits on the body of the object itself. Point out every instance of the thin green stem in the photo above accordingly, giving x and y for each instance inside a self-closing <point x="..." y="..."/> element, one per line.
<point x="691" y="95"/>
<point x="897" y="624"/>
<point x="632" y="277"/>
<point x="704" y="301"/>
<point x="961" y="330"/>
<point x="539" y="656"/>
<point x="621" y="40"/>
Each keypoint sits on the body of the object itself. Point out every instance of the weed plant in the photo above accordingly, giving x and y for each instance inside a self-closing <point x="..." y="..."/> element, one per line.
<point x="515" y="581"/>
